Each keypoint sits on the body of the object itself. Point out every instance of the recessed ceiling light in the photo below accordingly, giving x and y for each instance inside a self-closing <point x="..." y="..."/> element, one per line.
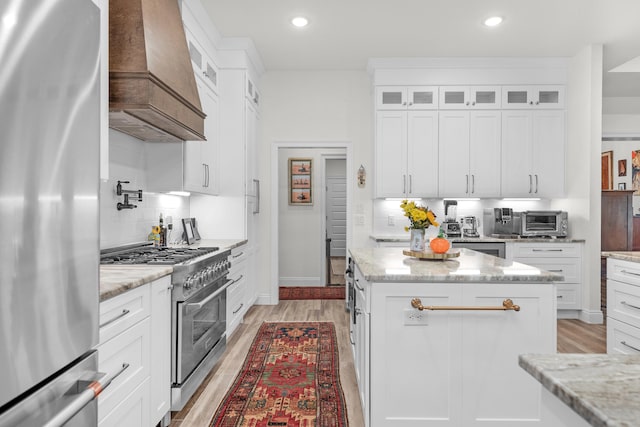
<point x="300" y="21"/>
<point x="493" y="21"/>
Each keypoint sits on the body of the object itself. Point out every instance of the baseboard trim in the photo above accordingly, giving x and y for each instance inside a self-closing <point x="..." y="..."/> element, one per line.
<point x="592" y="316"/>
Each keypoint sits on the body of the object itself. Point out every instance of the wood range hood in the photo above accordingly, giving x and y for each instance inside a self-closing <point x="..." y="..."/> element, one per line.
<point x="152" y="89"/>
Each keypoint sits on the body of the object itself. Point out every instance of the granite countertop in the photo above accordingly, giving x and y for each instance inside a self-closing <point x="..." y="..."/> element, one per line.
<point x="603" y="389"/>
<point x="390" y="265"/>
<point x="633" y="256"/>
<point x="481" y="239"/>
<point x="117" y="279"/>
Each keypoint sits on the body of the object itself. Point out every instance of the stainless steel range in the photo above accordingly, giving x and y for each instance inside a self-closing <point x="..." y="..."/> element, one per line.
<point x="198" y="309"/>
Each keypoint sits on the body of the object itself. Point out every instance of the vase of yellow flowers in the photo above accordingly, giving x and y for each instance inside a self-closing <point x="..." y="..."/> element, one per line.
<point x="420" y="218"/>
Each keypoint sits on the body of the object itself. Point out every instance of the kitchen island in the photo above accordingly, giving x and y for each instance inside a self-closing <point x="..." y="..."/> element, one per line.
<point x="455" y="362"/>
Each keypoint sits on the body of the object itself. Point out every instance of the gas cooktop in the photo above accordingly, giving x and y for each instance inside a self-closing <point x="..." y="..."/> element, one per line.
<point x="151" y="255"/>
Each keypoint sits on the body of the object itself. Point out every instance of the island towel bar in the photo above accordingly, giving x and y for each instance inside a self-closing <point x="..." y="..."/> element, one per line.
<point x="506" y="305"/>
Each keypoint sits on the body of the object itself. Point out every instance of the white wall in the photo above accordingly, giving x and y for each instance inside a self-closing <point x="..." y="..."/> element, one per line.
<point x="127" y="162"/>
<point x="306" y="107"/>
<point x="584" y="132"/>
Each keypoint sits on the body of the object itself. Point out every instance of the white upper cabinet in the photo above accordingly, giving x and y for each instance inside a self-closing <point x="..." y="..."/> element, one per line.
<point x="469" y="154"/>
<point x="406" y="154"/>
<point x="469" y="97"/>
<point x="406" y="97"/>
<point x="203" y="65"/>
<point x="533" y="153"/>
<point x="530" y="96"/>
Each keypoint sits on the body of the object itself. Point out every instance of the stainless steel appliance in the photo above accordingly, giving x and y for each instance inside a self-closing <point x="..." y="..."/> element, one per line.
<point x="450" y="226"/>
<point x="501" y="222"/>
<point x="496" y="249"/>
<point x="49" y="210"/>
<point x="198" y="308"/>
<point x="470" y="226"/>
<point x="544" y="224"/>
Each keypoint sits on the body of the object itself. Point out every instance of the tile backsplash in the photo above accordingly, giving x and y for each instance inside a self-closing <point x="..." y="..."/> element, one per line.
<point x="127" y="163"/>
<point x="388" y="217"/>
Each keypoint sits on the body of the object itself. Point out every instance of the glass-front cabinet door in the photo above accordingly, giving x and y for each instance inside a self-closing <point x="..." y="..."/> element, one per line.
<point x="538" y="97"/>
<point x="469" y="97"/>
<point x="406" y="98"/>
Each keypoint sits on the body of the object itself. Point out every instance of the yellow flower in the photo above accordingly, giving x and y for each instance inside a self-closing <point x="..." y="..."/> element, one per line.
<point x="419" y="216"/>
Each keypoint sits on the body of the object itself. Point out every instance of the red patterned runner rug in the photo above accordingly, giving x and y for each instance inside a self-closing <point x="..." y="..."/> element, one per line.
<point x="311" y="292"/>
<point x="290" y="378"/>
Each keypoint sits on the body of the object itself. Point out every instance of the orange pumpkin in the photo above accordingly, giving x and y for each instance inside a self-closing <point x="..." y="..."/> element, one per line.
<point x="439" y="245"/>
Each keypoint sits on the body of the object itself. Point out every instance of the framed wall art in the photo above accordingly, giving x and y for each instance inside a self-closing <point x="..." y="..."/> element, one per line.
<point x="300" y="180"/>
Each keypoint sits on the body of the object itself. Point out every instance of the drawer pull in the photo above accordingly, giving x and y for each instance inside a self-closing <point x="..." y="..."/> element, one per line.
<point x="237" y="255"/>
<point x="119" y="316"/>
<point x="559" y="296"/>
<point x="556" y="271"/>
<point x="360" y="288"/>
<point x="629" y="305"/>
<point x="506" y="305"/>
<point x="239" y="308"/>
<point x="547" y="250"/>
<point x="630" y="346"/>
<point x="629" y="272"/>
<point x="236" y="280"/>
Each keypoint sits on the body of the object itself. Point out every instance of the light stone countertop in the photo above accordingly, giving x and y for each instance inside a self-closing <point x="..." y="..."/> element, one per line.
<point x="117" y="278"/>
<point x="625" y="256"/>
<point x="390" y="265"/>
<point x="603" y="389"/>
<point x="481" y="239"/>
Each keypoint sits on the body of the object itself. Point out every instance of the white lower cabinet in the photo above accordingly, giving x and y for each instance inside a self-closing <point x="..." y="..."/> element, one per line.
<point x="452" y="368"/>
<point x="623" y="307"/>
<point x="560" y="258"/>
<point x="359" y="325"/>
<point x="237" y="297"/>
<point x="134" y="325"/>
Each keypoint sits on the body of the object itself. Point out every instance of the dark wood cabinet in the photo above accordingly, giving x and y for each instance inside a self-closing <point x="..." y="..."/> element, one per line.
<point x="617" y="221"/>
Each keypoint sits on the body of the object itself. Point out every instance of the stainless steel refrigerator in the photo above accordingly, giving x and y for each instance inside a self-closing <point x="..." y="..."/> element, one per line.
<point x="49" y="209"/>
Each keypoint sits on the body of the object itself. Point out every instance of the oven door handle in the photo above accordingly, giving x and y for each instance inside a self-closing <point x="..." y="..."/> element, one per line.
<point x="193" y="306"/>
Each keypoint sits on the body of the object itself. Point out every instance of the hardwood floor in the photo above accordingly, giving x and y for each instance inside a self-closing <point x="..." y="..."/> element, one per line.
<point x="574" y="336"/>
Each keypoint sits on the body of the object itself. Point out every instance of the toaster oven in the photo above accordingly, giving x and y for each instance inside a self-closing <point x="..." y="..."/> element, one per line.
<point x="544" y="224"/>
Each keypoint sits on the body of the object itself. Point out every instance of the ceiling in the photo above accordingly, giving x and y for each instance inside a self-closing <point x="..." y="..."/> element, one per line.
<point x="344" y="34"/>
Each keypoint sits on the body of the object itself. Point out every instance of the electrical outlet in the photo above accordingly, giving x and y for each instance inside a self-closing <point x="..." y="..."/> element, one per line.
<point x="413" y="317"/>
<point x="391" y="220"/>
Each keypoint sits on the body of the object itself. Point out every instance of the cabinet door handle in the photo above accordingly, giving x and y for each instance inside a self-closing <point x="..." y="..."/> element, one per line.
<point x="204" y="175"/>
<point x="530" y="183"/>
<point x="559" y="296"/>
<point x="629" y="272"/>
<point x="473" y="184"/>
<point x="467" y="190"/>
<point x="239" y="308"/>
<point x="357" y="286"/>
<point x="507" y="304"/>
<point x="536" y="184"/>
<point x="119" y="316"/>
<point x="629" y="305"/>
<point x="630" y="346"/>
<point x="410" y="183"/>
<point x="404" y="184"/>
<point x="351" y="338"/>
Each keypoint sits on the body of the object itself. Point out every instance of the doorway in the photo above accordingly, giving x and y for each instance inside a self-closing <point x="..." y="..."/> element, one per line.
<point x="298" y="232"/>
<point x="335" y="220"/>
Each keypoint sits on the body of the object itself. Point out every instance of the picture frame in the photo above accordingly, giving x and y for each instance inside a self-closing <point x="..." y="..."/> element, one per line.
<point x="622" y="186"/>
<point x="188" y="235"/>
<point x="196" y="234"/>
<point x="622" y="167"/>
<point x="607" y="170"/>
<point x="300" y="181"/>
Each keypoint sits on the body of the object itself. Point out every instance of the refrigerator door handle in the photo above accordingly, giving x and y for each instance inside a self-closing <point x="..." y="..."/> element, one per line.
<point x="88" y="393"/>
<point x="256" y="209"/>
